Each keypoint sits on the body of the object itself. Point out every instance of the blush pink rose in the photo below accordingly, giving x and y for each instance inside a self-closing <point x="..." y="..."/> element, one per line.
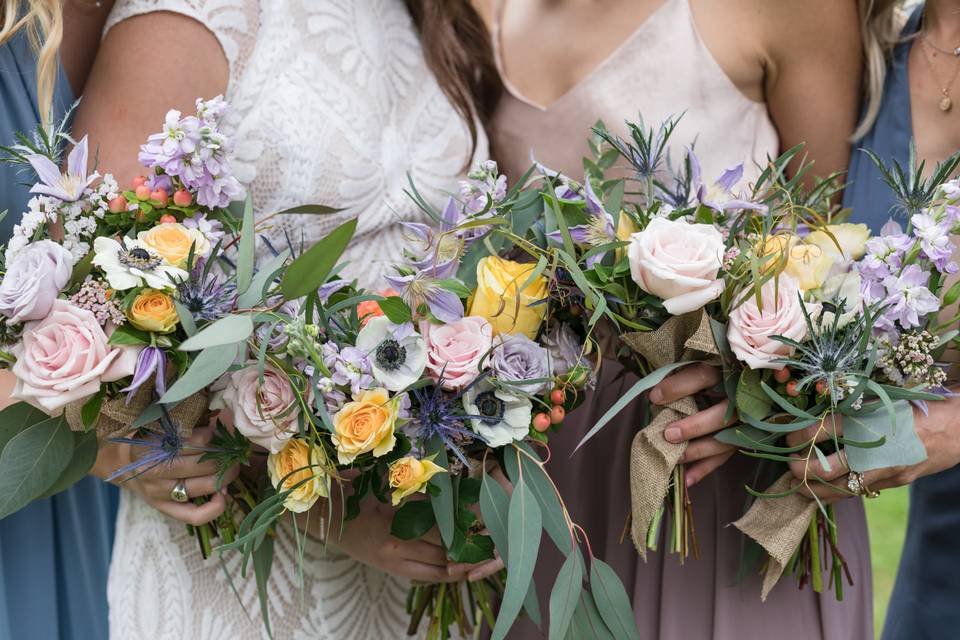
<point x="65" y="357"/>
<point x="678" y="262"/>
<point x="266" y="412"/>
<point x="456" y="350"/>
<point x="751" y="328"/>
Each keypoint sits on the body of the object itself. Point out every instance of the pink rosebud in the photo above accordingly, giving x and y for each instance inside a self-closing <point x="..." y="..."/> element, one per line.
<point x="182" y="198"/>
<point x="456" y="350"/>
<point x="160" y="195"/>
<point x="139" y="181"/>
<point x="143" y="192"/>
<point x="118" y="204"/>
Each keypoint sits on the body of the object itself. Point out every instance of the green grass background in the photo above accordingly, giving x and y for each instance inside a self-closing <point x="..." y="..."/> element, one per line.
<point x="887" y="519"/>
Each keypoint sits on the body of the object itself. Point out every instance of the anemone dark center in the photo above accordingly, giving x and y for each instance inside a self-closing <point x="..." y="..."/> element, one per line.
<point x="490" y="408"/>
<point x="140" y="258"/>
<point x="391" y="355"/>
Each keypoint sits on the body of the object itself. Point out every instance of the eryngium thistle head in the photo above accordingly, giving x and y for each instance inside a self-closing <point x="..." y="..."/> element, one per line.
<point x="205" y="296"/>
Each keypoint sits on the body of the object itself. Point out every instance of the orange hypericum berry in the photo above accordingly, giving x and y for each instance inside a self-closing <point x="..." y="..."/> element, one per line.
<point x="167" y="218"/>
<point x="557" y="396"/>
<point x="139" y="181"/>
<point x="792" y="389"/>
<point x="557" y="414"/>
<point x="822" y="387"/>
<point x="182" y="198"/>
<point x="541" y="422"/>
<point x="160" y="195"/>
<point x="782" y="375"/>
<point x="143" y="192"/>
<point x="118" y="204"/>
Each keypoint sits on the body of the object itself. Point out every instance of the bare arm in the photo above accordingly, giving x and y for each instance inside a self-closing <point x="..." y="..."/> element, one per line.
<point x="82" y="26"/>
<point x="146" y="66"/>
<point x="812" y="81"/>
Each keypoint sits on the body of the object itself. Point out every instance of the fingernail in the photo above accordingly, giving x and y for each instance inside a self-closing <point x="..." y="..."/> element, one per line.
<point x="673" y="434"/>
<point x="656" y="396"/>
<point x="689" y="481"/>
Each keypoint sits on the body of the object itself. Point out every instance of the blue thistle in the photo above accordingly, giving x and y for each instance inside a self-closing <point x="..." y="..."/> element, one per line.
<point x="204" y="295"/>
<point x="441" y="415"/>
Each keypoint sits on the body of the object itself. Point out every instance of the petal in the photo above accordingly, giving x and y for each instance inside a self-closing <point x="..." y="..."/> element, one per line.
<point x="693" y="300"/>
<point x="445" y="305"/>
<point x="46" y="170"/>
<point x="730" y="177"/>
<point x="77" y="160"/>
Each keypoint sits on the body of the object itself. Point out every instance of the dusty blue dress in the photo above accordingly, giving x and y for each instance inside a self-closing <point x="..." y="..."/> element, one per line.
<point x="54" y="554"/>
<point x="925" y="604"/>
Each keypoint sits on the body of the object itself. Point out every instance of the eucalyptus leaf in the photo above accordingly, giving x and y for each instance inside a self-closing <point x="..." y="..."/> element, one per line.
<point x="612" y="601"/>
<point x="258" y="286"/>
<point x="311" y="268"/>
<point x="442" y="502"/>
<point x="228" y="330"/>
<point x="494" y="507"/>
<point x="17" y="417"/>
<point x="751" y="398"/>
<point x="565" y="595"/>
<point x="312" y="209"/>
<point x="262" y="564"/>
<point x="539" y="483"/>
<point x="647" y="382"/>
<point x="525" y="527"/>
<point x="85" y="449"/>
<point x="245" y="252"/>
<point x="32" y="461"/>
<point x="586" y="622"/>
<point x="901" y="447"/>
<point x="186" y="318"/>
<point x="209" y="365"/>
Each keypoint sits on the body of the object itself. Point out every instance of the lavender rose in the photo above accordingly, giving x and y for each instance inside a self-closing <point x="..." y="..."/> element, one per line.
<point x="34" y="280"/>
<point x="519" y="359"/>
<point x="564" y="348"/>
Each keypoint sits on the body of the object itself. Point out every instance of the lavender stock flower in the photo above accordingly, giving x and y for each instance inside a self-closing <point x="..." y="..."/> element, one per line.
<point x="908" y="298"/>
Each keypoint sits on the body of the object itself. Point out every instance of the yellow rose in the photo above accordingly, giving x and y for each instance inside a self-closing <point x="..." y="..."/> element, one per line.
<point x="153" y="310"/>
<point x="409" y="475"/>
<point x="807" y="263"/>
<point x="364" y="425"/>
<point x="498" y="300"/>
<point x="776" y="246"/>
<point x="626" y="227"/>
<point x="851" y="237"/>
<point x="292" y="465"/>
<point x="172" y="241"/>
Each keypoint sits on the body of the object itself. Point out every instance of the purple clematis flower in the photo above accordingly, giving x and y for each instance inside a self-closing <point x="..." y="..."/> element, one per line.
<point x="422" y="288"/>
<point x="151" y="360"/>
<point x="719" y="195"/>
<point x="68" y="186"/>
<point x="599" y="229"/>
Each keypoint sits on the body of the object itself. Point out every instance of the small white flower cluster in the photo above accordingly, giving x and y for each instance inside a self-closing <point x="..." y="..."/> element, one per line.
<point x="79" y="219"/>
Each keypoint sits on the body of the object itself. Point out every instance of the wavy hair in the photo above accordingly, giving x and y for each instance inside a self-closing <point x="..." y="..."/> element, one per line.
<point x="42" y="20"/>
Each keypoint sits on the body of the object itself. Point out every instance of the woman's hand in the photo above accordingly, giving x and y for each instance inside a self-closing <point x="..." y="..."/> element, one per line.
<point x="367" y="539"/>
<point x="704" y="453"/>
<point x="939" y="431"/>
<point x="155" y="485"/>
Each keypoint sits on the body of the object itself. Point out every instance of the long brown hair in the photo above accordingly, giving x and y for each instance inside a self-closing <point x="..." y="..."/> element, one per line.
<point x="458" y="50"/>
<point x="43" y="22"/>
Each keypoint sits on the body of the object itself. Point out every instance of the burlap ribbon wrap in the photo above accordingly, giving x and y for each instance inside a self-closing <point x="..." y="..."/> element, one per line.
<point x="778" y="525"/>
<point x="117" y="416"/>
<point x="652" y="458"/>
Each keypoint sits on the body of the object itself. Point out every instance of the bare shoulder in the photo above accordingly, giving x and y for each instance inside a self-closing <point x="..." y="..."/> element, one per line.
<point x="822" y="28"/>
<point x="135" y="80"/>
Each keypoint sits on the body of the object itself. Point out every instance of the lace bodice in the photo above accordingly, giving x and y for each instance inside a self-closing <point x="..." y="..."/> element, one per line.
<point x="332" y="103"/>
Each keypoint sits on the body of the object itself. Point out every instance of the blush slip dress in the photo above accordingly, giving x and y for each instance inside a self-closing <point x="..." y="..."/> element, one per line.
<point x="664" y="69"/>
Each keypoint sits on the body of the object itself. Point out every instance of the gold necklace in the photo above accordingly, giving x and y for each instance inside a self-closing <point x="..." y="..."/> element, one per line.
<point x="947" y="52"/>
<point x="946" y="102"/>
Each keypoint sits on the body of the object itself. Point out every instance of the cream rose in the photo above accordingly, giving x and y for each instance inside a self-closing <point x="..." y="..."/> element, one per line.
<point x="456" y="350"/>
<point x="677" y="262"/>
<point x="750" y="329"/>
<point x="266" y="412"/>
<point x="66" y="357"/>
<point x="852" y="239"/>
<point x="409" y="475"/>
<point x="366" y="424"/>
<point x="172" y="241"/>
<point x="298" y="468"/>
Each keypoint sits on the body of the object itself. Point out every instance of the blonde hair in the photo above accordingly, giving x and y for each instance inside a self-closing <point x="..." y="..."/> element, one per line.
<point x="880" y="24"/>
<point x="43" y="22"/>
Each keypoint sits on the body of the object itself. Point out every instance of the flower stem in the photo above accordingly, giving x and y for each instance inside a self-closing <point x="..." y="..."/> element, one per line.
<point x="813" y="535"/>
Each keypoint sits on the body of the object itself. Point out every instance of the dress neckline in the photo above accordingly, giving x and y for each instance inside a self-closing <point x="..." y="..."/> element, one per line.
<point x="587" y="78"/>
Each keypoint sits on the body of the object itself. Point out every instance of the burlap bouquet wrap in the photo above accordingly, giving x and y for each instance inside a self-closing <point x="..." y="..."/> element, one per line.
<point x="778" y="524"/>
<point x="117" y="416"/>
<point x="652" y="458"/>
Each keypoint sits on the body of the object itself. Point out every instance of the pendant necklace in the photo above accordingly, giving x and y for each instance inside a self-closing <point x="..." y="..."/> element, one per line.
<point x="946" y="102"/>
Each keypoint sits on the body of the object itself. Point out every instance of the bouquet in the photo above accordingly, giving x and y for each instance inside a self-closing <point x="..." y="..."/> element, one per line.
<point x="810" y="318"/>
<point x="413" y="395"/>
<point x="100" y="288"/>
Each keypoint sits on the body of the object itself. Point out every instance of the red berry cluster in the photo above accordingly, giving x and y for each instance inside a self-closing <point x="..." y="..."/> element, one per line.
<point x="542" y="421"/>
<point x="159" y="197"/>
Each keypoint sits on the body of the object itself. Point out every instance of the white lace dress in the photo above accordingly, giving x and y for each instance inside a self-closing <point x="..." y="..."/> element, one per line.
<point x="332" y="103"/>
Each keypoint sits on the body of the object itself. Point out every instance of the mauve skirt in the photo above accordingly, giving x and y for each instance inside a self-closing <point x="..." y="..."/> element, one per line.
<point x="701" y="599"/>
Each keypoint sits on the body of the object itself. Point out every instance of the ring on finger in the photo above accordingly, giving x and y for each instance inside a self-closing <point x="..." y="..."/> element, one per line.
<point x="857" y="485"/>
<point x="179" y="492"/>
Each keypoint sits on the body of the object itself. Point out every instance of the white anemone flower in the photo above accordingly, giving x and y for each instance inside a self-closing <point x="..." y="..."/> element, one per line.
<point x="397" y="353"/>
<point x="133" y="264"/>
<point x="498" y="416"/>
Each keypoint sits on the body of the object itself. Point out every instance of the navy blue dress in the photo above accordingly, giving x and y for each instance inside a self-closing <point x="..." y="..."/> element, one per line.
<point x="54" y="554"/>
<point x="925" y="604"/>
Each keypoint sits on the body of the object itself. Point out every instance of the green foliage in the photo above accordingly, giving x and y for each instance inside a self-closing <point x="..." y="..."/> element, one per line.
<point x="32" y="461"/>
<point x="209" y="365"/>
<point x="751" y="400"/>
<point x="565" y="595"/>
<point x="228" y="330"/>
<point x="395" y="309"/>
<point x="413" y="520"/>
<point x="310" y="269"/>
